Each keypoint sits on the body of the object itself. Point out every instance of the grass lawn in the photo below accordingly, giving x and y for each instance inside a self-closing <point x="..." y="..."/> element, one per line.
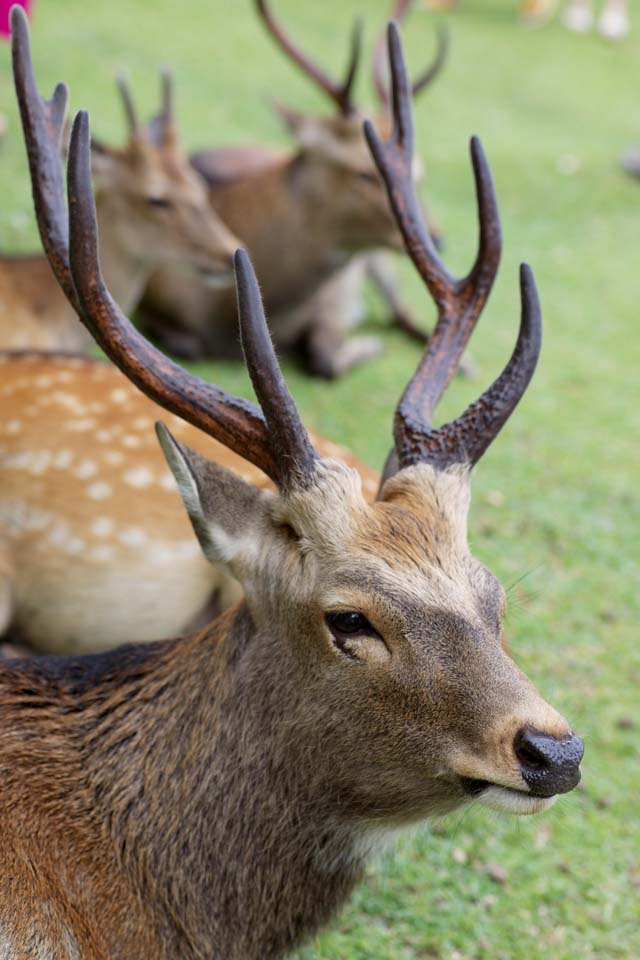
<point x="557" y="503"/>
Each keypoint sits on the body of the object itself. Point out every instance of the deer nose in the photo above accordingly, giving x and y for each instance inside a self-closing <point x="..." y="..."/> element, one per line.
<point x="548" y="765"/>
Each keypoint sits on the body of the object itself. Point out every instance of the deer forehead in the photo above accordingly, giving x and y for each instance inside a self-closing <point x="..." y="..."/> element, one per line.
<point x="420" y="521"/>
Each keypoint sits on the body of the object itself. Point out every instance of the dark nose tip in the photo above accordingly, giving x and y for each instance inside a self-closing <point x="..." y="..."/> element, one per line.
<point x="548" y="765"/>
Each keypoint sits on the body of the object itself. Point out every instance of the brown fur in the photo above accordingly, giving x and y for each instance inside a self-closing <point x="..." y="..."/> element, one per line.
<point x="332" y="183"/>
<point x="218" y="796"/>
<point x="95" y="546"/>
<point x="135" y="236"/>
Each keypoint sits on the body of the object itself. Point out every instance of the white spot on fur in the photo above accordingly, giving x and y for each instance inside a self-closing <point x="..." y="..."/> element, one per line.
<point x="114" y="457"/>
<point x="101" y="526"/>
<point x="81" y="426"/>
<point x="13" y="426"/>
<point x="85" y="469"/>
<point x="99" y="490"/>
<point x="143" y="423"/>
<point x="138" y="477"/>
<point x="167" y="481"/>
<point x="62" y="459"/>
<point x="103" y="552"/>
<point x="43" y="381"/>
<point x="119" y="395"/>
<point x="132" y="537"/>
<point x="130" y="441"/>
<point x="104" y="436"/>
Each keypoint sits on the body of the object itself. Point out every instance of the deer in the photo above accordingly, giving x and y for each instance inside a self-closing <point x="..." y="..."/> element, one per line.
<point x="312" y="284"/>
<point x="218" y="795"/>
<point x="88" y="508"/>
<point x="152" y="208"/>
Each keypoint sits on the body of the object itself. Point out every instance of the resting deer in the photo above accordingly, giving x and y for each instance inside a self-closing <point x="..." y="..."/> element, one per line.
<point x="152" y="209"/>
<point x="88" y="508"/>
<point x="327" y="205"/>
<point x="218" y="795"/>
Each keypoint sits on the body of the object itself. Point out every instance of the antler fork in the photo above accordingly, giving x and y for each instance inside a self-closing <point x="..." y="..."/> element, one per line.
<point x="340" y="93"/>
<point x="275" y="441"/>
<point x="428" y="75"/>
<point x="459" y="303"/>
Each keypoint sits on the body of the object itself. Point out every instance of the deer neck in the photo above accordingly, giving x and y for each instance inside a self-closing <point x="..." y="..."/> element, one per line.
<point x="126" y="273"/>
<point x="209" y="794"/>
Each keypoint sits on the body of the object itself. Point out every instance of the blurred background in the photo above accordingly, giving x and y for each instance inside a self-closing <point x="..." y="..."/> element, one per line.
<point x="556" y="502"/>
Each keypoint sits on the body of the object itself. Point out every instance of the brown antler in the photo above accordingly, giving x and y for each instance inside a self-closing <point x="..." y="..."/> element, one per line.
<point x="129" y="106"/>
<point x="459" y="302"/>
<point x="340" y="93"/>
<point x="43" y="125"/>
<point x="426" y="78"/>
<point x="280" y="446"/>
<point x="161" y="129"/>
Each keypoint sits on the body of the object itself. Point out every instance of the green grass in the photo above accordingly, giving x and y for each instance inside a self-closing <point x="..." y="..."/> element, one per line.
<point x="557" y="498"/>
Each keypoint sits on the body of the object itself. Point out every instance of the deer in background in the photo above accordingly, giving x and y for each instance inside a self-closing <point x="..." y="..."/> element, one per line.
<point x="327" y="205"/>
<point x="94" y="544"/>
<point x="152" y="209"/>
<point x="219" y="795"/>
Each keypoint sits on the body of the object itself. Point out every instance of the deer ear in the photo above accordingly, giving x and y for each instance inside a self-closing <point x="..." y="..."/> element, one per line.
<point x="227" y="514"/>
<point x="294" y="121"/>
<point x="103" y="161"/>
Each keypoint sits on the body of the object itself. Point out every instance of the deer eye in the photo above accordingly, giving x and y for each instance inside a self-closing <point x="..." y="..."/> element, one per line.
<point x="356" y="638"/>
<point x="349" y="622"/>
<point x="160" y="203"/>
<point x="369" y="177"/>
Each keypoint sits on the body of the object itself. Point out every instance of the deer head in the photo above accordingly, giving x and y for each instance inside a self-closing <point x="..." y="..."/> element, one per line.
<point x="333" y="145"/>
<point x="377" y="612"/>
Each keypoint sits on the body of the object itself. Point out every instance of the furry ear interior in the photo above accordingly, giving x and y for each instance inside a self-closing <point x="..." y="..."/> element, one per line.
<point x="226" y="512"/>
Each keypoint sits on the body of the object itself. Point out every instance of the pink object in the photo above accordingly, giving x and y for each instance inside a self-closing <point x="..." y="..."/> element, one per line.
<point x="5" y="7"/>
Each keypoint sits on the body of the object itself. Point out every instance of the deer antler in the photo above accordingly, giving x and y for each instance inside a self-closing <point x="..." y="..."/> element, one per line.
<point x="340" y="93"/>
<point x="426" y="78"/>
<point x="43" y="125"/>
<point x="278" y="445"/>
<point x="459" y="302"/>
<point x="129" y="106"/>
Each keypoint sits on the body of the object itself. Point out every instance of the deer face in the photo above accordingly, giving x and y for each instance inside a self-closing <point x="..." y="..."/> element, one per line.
<point x="345" y="179"/>
<point x="393" y="633"/>
<point x="158" y="205"/>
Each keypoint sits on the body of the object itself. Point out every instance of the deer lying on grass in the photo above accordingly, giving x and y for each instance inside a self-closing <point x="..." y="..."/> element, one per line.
<point x="325" y="203"/>
<point x="152" y="209"/>
<point x="218" y="795"/>
<point x="94" y="544"/>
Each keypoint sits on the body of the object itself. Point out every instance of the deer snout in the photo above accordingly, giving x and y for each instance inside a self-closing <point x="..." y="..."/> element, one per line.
<point x="548" y="764"/>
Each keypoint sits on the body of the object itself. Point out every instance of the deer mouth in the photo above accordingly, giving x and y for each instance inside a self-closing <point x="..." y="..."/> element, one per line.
<point x="505" y="799"/>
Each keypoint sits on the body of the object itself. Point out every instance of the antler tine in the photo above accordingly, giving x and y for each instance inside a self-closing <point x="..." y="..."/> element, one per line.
<point x="459" y="301"/>
<point x="128" y="104"/>
<point x="465" y="440"/>
<point x="339" y="93"/>
<point x="429" y="74"/>
<point x="293" y="451"/>
<point x="235" y="422"/>
<point x="166" y="82"/>
<point x="43" y="126"/>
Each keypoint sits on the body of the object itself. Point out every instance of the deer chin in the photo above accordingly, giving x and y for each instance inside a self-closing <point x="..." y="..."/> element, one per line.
<point x="521" y="803"/>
